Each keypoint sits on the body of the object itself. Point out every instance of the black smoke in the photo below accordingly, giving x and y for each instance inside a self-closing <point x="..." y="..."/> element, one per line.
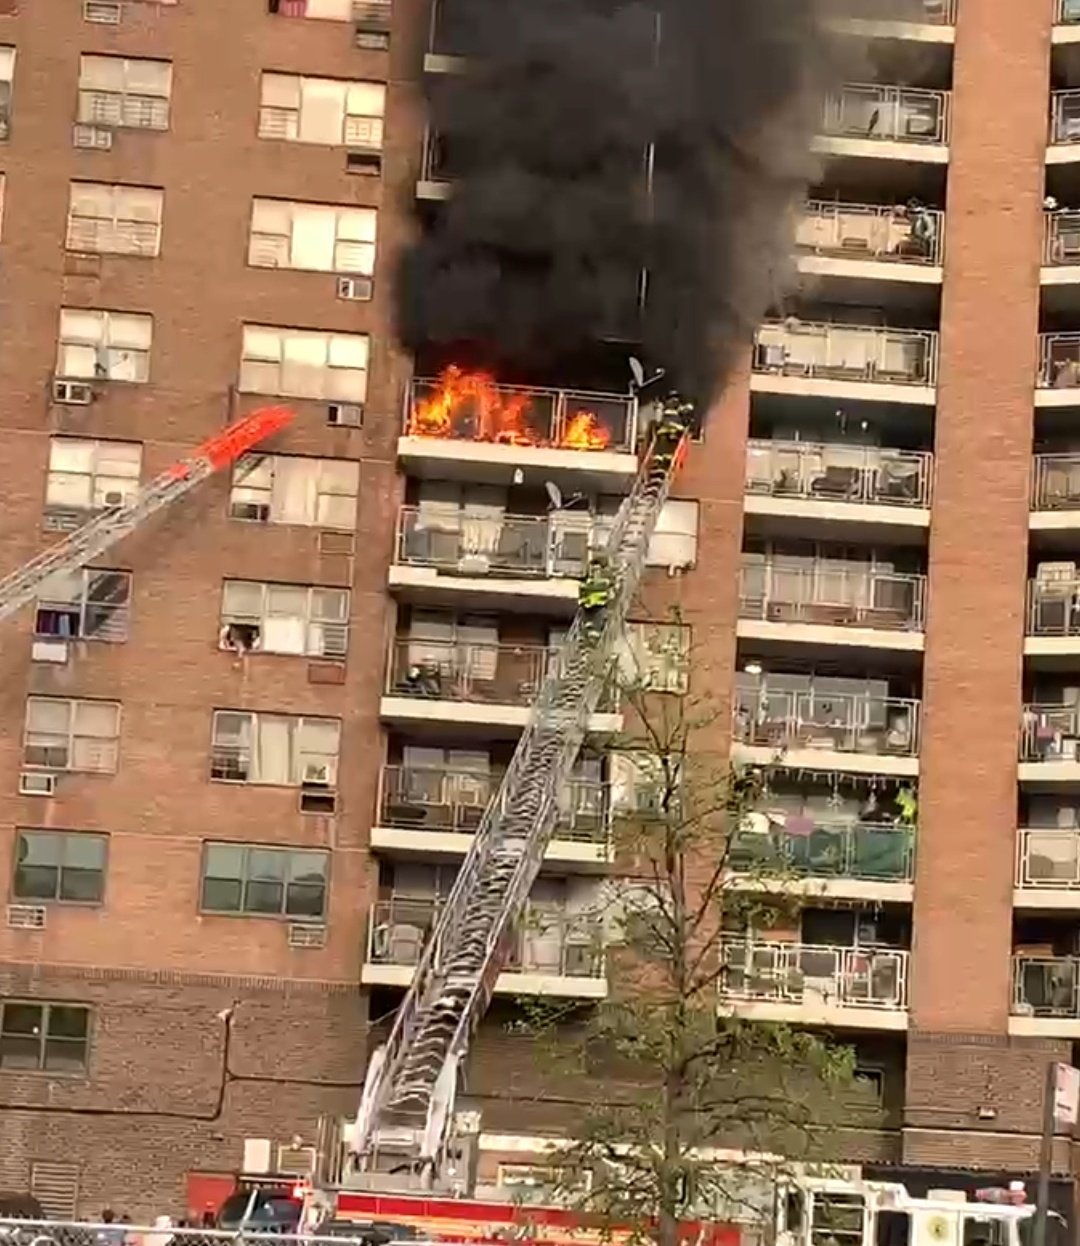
<point x="591" y="141"/>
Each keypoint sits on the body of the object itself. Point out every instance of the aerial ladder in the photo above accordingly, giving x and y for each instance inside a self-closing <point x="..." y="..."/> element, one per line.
<point x="107" y="527"/>
<point x="411" y="1081"/>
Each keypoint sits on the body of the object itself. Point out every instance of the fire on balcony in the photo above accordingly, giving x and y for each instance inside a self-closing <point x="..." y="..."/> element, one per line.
<point x="470" y="405"/>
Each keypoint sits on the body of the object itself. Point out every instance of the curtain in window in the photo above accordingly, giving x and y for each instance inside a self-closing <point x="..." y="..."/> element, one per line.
<point x="273" y="749"/>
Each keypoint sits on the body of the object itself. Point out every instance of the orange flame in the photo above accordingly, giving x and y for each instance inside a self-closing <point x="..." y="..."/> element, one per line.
<point x="471" y="405"/>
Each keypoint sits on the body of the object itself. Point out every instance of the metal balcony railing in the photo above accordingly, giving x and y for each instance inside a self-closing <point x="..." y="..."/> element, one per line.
<point x="855" y="231"/>
<point x="1061" y="238"/>
<point x="787" y="591"/>
<point x="447" y="670"/>
<point x="1050" y="733"/>
<point x="1065" y="116"/>
<point x="1059" y="361"/>
<point x="1067" y="12"/>
<point x="1053" y="607"/>
<point x="839" y="473"/>
<point x="464" y="406"/>
<point x="1048" y="858"/>
<point x="1056" y="482"/>
<point x="443" y="799"/>
<point x="1046" y="986"/>
<point x="846" y="723"/>
<point x="872" y="851"/>
<point x="841" y="352"/>
<point x="501" y="546"/>
<point x="888" y="114"/>
<point x="815" y="973"/>
<point x="548" y="941"/>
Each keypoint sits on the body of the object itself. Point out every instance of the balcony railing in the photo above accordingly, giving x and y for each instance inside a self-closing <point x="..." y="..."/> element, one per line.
<point x="1061" y="238"/>
<point x="854" y="231"/>
<point x="841" y="352"/>
<point x="780" y="592"/>
<point x="443" y="670"/>
<point x="844" y="722"/>
<point x="1049" y="859"/>
<point x="815" y="973"/>
<point x="1067" y="12"/>
<point x="1056" y="482"/>
<point x="888" y="114"/>
<point x="1050" y="733"/>
<point x="1065" y="116"/>
<point x="469" y="406"/>
<point x="839" y="473"/>
<point x="1053" y="607"/>
<point x="1046" y="986"/>
<point x="872" y="852"/>
<point x="1059" y="361"/>
<point x="547" y="941"/>
<point x="507" y="546"/>
<point x="441" y="799"/>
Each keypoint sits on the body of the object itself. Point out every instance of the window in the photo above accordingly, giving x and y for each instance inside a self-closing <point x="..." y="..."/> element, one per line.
<point x="639" y="784"/>
<point x="276" y="488"/>
<point x="322" y="110"/>
<point x="60" y="865"/>
<point x="90" y="604"/>
<point x="116" y="91"/>
<point x="62" y="734"/>
<point x="271" y="882"/>
<point x="301" y="363"/>
<point x="7" y="77"/>
<point x="91" y="475"/>
<point x="315" y="237"/>
<point x="285" y="618"/>
<point x="655" y="656"/>
<point x="114" y="220"/>
<point x="45" y="1038"/>
<point x="674" y="541"/>
<point x="275" y="749"/>
<point x="331" y="10"/>
<point x="103" y="345"/>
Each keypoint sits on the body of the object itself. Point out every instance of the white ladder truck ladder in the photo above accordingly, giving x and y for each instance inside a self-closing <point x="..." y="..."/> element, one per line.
<point x="411" y="1080"/>
<point x="107" y="527"/>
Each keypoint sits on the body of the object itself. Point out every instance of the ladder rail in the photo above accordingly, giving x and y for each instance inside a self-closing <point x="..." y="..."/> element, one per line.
<point x="104" y="529"/>
<point x="556" y="729"/>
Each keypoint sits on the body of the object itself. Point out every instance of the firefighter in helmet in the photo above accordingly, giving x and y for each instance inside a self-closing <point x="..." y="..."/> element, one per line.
<point x="675" y="417"/>
<point x="595" y="593"/>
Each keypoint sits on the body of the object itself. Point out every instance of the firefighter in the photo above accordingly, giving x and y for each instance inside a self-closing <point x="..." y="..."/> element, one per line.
<point x="675" y="415"/>
<point x="594" y="595"/>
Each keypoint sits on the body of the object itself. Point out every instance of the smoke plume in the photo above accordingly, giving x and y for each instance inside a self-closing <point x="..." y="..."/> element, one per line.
<point x="589" y="141"/>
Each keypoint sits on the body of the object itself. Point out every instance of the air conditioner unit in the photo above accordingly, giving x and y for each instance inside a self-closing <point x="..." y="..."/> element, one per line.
<point x="54" y="651"/>
<point x="316" y="772"/>
<point x="26" y="916"/>
<point x="36" y="783"/>
<point x="305" y="935"/>
<point x="103" y="12"/>
<point x="72" y="393"/>
<point x="356" y="288"/>
<point x="259" y="512"/>
<point x="93" y="137"/>
<point x="345" y="415"/>
<point x="113" y="498"/>
<point x="296" y="1161"/>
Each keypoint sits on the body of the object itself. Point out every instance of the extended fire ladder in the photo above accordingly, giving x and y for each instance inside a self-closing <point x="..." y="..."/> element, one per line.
<point x="411" y="1080"/>
<point x="108" y="526"/>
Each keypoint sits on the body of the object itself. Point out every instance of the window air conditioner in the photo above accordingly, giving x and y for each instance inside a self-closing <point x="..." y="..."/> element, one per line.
<point x="356" y="288"/>
<point x="345" y="415"/>
<point x="93" y="137"/>
<point x="259" y="512"/>
<point x="305" y="935"/>
<point x="36" y="783"/>
<point x="317" y="773"/>
<point x="113" y="498"/>
<point x="103" y="12"/>
<point x="26" y="916"/>
<point x="72" y="393"/>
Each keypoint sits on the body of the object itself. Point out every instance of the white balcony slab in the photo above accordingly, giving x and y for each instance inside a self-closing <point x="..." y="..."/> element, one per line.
<point x="818" y="1012"/>
<point x="827" y="760"/>
<point x="1060" y="275"/>
<point x="497" y="592"/>
<point x="475" y="714"/>
<point x="1051" y="646"/>
<point x="871" y="270"/>
<point x="870" y="891"/>
<point x="1060" y="899"/>
<point x="485" y="461"/>
<point x="552" y="985"/>
<point x="1063" y="153"/>
<point x="441" y="63"/>
<point x="851" y="391"/>
<point x="777" y="506"/>
<point x="1049" y="773"/>
<point x="427" y="188"/>
<point x="882" y="149"/>
<point x="1054" y="521"/>
<point x="823" y="634"/>
<point x="450" y="845"/>
<point x="1067" y="396"/>
<point x="1044" y="1027"/>
<point x="1066" y="33"/>
<point x="917" y="32"/>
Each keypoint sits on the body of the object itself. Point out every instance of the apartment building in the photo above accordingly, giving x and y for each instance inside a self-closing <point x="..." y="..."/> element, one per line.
<point x="875" y="548"/>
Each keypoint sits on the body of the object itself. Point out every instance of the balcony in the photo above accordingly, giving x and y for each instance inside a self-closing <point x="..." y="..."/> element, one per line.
<point x="1048" y="869"/>
<point x="886" y="122"/>
<point x="451" y="38"/>
<point x="1066" y="21"/>
<point x="871" y="861"/>
<point x="1055" y="491"/>
<point x="1053" y="616"/>
<point x="870" y="242"/>
<point x="1061" y="249"/>
<point x="467" y="684"/>
<point x="814" y="603"/>
<point x="818" y="731"/>
<point x="1064" y="145"/>
<point x="487" y="560"/>
<point x="1050" y="744"/>
<point x="856" y="362"/>
<point x="464" y="426"/>
<point x="806" y="984"/>
<point x="434" y="812"/>
<point x="1058" y="379"/>
<point x="1046" y="996"/>
<point x="555" y="953"/>
<point x="927" y="21"/>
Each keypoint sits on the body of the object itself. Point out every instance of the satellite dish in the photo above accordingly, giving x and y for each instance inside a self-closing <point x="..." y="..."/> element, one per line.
<point x="637" y="372"/>
<point x="554" y="495"/>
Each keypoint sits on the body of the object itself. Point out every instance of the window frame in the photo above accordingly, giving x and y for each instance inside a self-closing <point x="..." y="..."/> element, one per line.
<point x="58" y="897"/>
<point x="94" y="475"/>
<point x="272" y="500"/>
<point x="276" y="120"/>
<point x="327" y="370"/>
<point x="46" y="1007"/>
<point x="295" y="207"/>
<point x="245" y="880"/>
<point x="84" y="605"/>
<point x="115" y="220"/>
<point x="670" y="672"/>
<point x="309" y="620"/>
<point x="104" y="345"/>
<point x="141" y="98"/>
<point x="296" y="752"/>
<point x="72" y="704"/>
